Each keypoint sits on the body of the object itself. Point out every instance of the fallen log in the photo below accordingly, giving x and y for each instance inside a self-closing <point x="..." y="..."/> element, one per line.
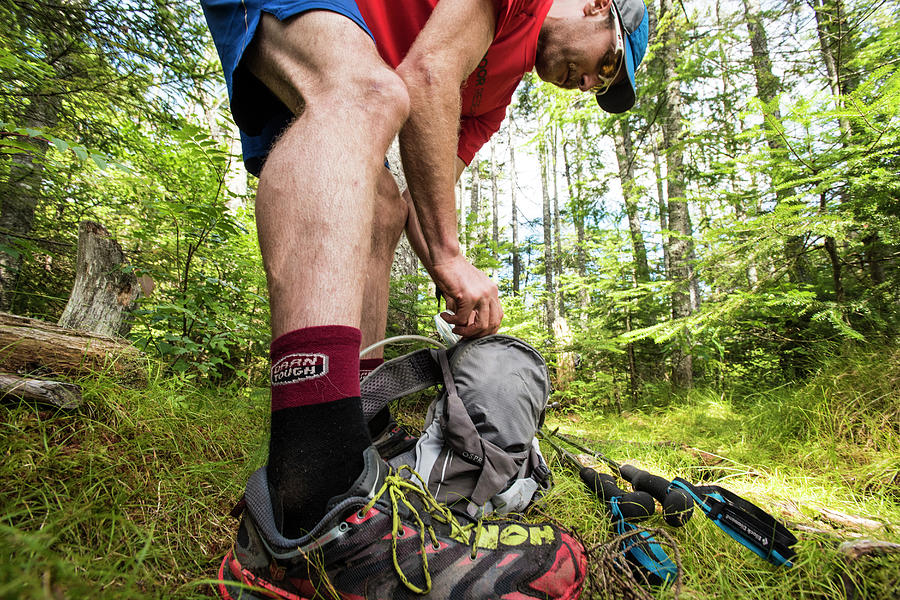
<point x="849" y="521"/>
<point x="830" y="516"/>
<point x="32" y="346"/>
<point x="858" y="548"/>
<point x="57" y="393"/>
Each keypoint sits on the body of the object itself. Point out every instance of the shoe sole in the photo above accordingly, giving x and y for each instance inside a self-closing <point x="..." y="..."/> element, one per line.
<point x="241" y="592"/>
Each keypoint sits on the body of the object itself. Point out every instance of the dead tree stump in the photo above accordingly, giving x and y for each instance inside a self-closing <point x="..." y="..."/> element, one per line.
<point x="103" y="293"/>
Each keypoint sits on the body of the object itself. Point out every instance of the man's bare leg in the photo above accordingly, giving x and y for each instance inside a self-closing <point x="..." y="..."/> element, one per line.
<point x="315" y="197"/>
<point x="388" y="220"/>
<point x="314" y="212"/>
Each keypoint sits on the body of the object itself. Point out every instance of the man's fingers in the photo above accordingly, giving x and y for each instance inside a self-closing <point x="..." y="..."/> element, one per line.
<point x="463" y="319"/>
<point x="451" y="305"/>
<point x="484" y="320"/>
<point x="496" y="317"/>
<point x="470" y="296"/>
<point x="452" y="318"/>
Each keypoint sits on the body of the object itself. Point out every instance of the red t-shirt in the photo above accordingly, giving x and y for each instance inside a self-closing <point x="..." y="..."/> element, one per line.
<point x="489" y="89"/>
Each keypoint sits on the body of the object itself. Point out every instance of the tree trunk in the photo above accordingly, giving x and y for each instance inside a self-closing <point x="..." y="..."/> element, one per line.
<point x="731" y="143"/>
<point x="873" y="249"/>
<point x="831" y="249"/>
<point x="549" y="289"/>
<point x="564" y="373"/>
<point x="103" y="292"/>
<point x="661" y="203"/>
<point x="557" y="229"/>
<point x="578" y="212"/>
<point x="461" y="215"/>
<point x="405" y="268"/>
<point x="625" y="156"/>
<point x="767" y="88"/>
<point x="20" y="196"/>
<point x="829" y="26"/>
<point x="401" y="317"/>
<point x="681" y="241"/>
<point x="495" y="216"/>
<point x="632" y="363"/>
<point x="833" y="35"/>
<point x="516" y="258"/>
<point x="577" y="209"/>
<point x="472" y="226"/>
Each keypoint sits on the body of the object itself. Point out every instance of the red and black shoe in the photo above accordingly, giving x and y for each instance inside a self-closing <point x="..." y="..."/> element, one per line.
<point x="387" y="538"/>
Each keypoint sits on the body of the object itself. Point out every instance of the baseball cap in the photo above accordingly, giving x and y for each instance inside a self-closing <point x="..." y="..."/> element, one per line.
<point x="635" y="21"/>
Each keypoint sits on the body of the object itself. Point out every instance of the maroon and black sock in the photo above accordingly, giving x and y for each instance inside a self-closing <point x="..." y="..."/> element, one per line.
<point x="318" y="433"/>
<point x="379" y="422"/>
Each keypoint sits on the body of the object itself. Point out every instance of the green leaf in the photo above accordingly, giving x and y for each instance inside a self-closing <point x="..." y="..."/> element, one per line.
<point x="100" y="161"/>
<point x="60" y="145"/>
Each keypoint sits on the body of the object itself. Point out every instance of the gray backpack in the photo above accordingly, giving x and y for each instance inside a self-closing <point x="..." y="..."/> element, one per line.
<point x="478" y="452"/>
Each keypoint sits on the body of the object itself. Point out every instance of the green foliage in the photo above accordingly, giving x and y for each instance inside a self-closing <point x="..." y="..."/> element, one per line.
<point x="208" y="312"/>
<point x="87" y="104"/>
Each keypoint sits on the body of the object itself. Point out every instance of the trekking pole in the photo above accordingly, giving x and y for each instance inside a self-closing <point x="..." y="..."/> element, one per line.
<point x="641" y="551"/>
<point x="743" y="521"/>
<point x="677" y="505"/>
<point x="633" y="506"/>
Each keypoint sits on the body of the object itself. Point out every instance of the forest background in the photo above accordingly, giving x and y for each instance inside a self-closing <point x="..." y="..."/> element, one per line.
<point x="737" y="233"/>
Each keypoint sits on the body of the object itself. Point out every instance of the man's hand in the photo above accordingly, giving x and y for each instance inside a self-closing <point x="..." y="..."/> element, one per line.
<point x="471" y="295"/>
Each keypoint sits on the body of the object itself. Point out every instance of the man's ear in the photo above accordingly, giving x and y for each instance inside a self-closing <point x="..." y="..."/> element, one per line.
<point x="593" y="7"/>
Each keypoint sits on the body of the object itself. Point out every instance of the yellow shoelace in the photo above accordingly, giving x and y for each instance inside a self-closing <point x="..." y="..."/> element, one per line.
<point x="397" y="488"/>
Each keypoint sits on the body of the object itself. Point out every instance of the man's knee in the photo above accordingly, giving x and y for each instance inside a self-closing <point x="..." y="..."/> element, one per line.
<point x="383" y="96"/>
<point x="322" y="61"/>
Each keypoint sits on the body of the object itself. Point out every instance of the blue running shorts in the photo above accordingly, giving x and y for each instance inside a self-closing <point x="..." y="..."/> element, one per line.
<point x="258" y="113"/>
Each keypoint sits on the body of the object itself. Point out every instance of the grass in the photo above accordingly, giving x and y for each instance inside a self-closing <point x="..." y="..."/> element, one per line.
<point x="128" y="497"/>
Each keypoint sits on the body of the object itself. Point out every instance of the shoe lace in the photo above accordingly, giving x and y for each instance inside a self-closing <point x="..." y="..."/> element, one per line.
<point x="398" y="489"/>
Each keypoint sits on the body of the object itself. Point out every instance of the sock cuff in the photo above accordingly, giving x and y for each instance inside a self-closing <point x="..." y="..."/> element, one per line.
<point x="315" y="365"/>
<point x="370" y="363"/>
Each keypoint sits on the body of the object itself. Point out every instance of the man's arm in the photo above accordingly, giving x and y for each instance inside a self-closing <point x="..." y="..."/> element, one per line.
<point x="447" y="50"/>
<point x="414" y="229"/>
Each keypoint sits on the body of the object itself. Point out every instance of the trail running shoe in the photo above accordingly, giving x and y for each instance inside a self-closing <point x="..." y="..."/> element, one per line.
<point x="388" y="539"/>
<point x="393" y="441"/>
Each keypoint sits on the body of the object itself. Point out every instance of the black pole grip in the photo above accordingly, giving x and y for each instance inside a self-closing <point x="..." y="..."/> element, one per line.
<point x="635" y="506"/>
<point x="677" y="508"/>
<point x="677" y="505"/>
<point x="643" y="481"/>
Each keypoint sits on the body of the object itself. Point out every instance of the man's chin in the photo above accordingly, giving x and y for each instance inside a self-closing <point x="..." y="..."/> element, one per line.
<point x="544" y="74"/>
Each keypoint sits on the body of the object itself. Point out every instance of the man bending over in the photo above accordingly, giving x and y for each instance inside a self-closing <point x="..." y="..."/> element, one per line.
<point x="319" y="89"/>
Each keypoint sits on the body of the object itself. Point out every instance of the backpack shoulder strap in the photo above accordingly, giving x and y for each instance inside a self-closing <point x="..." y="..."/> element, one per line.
<point x="399" y="377"/>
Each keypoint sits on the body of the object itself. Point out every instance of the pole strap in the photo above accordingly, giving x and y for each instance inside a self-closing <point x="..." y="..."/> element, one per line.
<point x="745" y="522"/>
<point x="643" y="553"/>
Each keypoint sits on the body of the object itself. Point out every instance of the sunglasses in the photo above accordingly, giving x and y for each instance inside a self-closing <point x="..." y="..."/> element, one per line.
<point x="612" y="62"/>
